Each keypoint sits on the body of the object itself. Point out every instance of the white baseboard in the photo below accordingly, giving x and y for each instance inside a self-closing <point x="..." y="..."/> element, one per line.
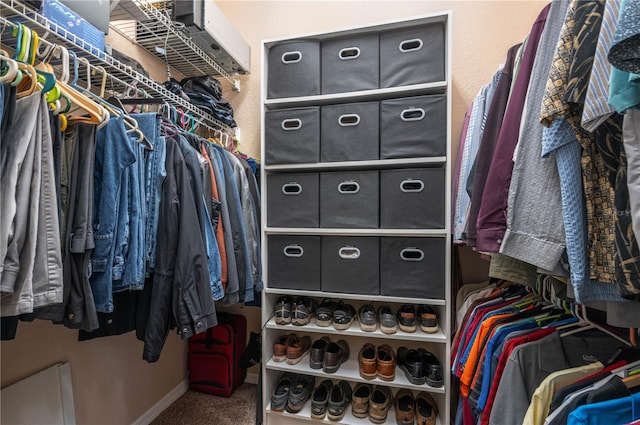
<point x="252" y="378"/>
<point x="163" y="403"/>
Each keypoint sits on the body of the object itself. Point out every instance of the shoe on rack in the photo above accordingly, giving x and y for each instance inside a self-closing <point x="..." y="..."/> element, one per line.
<point x="431" y="369"/>
<point x="410" y="361"/>
<point x="404" y="407"/>
<point x="406" y="316"/>
<point x="320" y="399"/>
<point x="303" y="311"/>
<point x="336" y="354"/>
<point x="428" y="319"/>
<point x="297" y="348"/>
<point x="388" y="323"/>
<point x="368" y="361"/>
<point x="339" y="401"/>
<point x="386" y="363"/>
<point x="300" y="392"/>
<point x="360" y="400"/>
<point x="343" y="316"/>
<point x="367" y="318"/>
<point x="379" y="404"/>
<point x="324" y="312"/>
<point x="283" y="310"/>
<point x="280" y="394"/>
<point x="280" y="347"/>
<point x="316" y="358"/>
<point x="426" y="409"/>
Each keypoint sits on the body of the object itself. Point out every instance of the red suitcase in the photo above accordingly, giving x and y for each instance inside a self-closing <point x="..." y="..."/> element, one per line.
<point x="214" y="356"/>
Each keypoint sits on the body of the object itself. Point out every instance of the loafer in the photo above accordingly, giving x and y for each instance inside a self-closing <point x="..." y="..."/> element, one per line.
<point x="386" y="363"/>
<point x="368" y="361"/>
<point x="410" y="361"/>
<point x="387" y="319"/>
<point x="339" y="401"/>
<point x="404" y="407"/>
<point x="280" y="394"/>
<point x="280" y="347"/>
<point x="316" y="357"/>
<point x="335" y="354"/>
<point x="324" y="312"/>
<point x="303" y="311"/>
<point x="428" y="319"/>
<point x="320" y="399"/>
<point x="367" y="318"/>
<point x="406" y="316"/>
<point x="297" y="348"/>
<point x="432" y="369"/>
<point x="343" y="316"/>
<point x="379" y="404"/>
<point x="360" y="400"/>
<point x="426" y="409"/>
<point x="300" y="392"/>
<point x="283" y="310"/>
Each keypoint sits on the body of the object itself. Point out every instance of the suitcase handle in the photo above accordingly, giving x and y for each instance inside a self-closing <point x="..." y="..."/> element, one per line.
<point x="349" y="53"/>
<point x="293" y="251"/>
<point x="349" y="120"/>
<point x="348" y="188"/>
<point x="349" y="253"/>
<point x="412" y="254"/>
<point x="290" y="189"/>
<point x="412" y="114"/>
<point x="294" y="56"/>
<point x="411" y="186"/>
<point x="410" y="45"/>
<point x="291" y="124"/>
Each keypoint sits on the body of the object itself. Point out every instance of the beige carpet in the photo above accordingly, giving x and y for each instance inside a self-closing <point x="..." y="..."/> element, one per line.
<point x="195" y="408"/>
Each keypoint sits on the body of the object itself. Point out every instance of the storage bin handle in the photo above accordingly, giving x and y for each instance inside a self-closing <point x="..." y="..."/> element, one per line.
<point x="410" y="45"/>
<point x="293" y="251"/>
<point x="294" y="56"/>
<point x="349" y="188"/>
<point x="412" y="254"/>
<point x="349" y="120"/>
<point x="349" y="53"/>
<point x="412" y="186"/>
<point x="291" y="124"/>
<point x="349" y="253"/>
<point x="292" y="189"/>
<point x="412" y="114"/>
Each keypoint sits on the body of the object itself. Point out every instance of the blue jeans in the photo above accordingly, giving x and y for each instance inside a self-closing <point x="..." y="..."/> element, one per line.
<point x="213" y="255"/>
<point x="113" y="156"/>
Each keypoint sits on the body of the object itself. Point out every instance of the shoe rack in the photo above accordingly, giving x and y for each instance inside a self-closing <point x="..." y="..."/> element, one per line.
<point x="387" y="241"/>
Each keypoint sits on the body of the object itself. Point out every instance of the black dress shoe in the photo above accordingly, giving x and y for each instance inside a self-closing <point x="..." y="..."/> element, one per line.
<point x="410" y="361"/>
<point x="432" y="369"/>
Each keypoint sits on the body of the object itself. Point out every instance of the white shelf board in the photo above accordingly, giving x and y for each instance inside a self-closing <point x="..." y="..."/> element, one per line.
<point x="349" y="371"/>
<point x="345" y="296"/>
<point x="354" y="330"/>
<point x="355" y="165"/>
<point x="437" y="233"/>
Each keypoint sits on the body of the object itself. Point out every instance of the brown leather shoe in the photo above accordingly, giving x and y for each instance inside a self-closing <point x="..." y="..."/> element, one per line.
<point x="405" y="413"/>
<point x="426" y="409"/>
<point x="368" y="361"/>
<point x="360" y="400"/>
<point x="386" y="363"/>
<point x="298" y="347"/>
<point x="379" y="404"/>
<point x="317" y="352"/>
<point x="280" y="347"/>
<point x="336" y="354"/>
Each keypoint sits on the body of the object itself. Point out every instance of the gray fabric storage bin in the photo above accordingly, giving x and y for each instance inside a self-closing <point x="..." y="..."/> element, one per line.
<point x="294" y="262"/>
<point x="292" y="135"/>
<point x="350" y="64"/>
<point x="350" y="265"/>
<point x="412" y="267"/>
<point x="412" y="56"/>
<point x="412" y="198"/>
<point x="413" y="127"/>
<point x="349" y="199"/>
<point x="293" y="200"/>
<point x="294" y="69"/>
<point x="349" y="132"/>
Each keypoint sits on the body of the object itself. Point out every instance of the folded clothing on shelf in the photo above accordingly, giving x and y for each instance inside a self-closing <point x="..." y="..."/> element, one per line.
<point x="206" y="93"/>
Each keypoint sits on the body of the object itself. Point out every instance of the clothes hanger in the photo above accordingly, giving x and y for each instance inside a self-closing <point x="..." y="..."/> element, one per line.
<point x="10" y="70"/>
<point x="581" y="314"/>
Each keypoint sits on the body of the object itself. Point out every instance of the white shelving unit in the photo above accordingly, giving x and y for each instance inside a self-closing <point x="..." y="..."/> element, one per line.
<point x="439" y="342"/>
